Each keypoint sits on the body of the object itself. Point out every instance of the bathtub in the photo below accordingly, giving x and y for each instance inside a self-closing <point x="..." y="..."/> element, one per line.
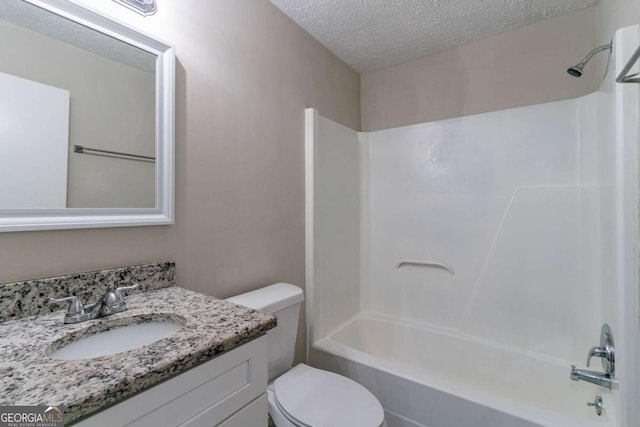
<point x="426" y="377"/>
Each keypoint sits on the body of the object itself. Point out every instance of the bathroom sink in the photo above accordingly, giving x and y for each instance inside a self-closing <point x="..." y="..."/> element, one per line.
<point x="116" y="340"/>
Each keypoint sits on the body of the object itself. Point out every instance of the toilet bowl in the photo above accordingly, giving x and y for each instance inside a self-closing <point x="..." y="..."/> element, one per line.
<point x="304" y="396"/>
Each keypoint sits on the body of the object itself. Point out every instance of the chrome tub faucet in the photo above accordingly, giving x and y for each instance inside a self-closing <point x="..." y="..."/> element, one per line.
<point x="606" y="352"/>
<point x="110" y="303"/>
<point x="598" y="378"/>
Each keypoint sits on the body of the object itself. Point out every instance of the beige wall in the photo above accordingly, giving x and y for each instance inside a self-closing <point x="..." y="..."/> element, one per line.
<point x="245" y="73"/>
<point x="111" y="108"/>
<point x="520" y="67"/>
<point x="614" y="14"/>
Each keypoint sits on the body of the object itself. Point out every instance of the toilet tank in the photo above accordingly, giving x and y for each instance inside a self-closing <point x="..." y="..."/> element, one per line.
<point x="283" y="300"/>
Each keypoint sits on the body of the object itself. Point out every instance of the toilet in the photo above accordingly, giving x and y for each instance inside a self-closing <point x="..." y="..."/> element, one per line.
<point x="304" y="396"/>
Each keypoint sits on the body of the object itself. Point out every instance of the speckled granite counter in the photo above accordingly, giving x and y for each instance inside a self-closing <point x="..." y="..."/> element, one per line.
<point x="28" y="376"/>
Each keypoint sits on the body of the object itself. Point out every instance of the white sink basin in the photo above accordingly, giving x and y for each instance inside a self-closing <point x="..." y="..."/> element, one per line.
<point x="116" y="340"/>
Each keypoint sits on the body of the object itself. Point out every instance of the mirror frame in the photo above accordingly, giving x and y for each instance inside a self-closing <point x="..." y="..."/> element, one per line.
<point x="163" y="213"/>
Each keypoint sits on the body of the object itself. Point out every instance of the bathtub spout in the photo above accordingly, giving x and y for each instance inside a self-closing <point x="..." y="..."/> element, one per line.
<point x="598" y="378"/>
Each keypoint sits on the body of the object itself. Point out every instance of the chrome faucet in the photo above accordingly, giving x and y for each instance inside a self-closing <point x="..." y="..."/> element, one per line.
<point x="606" y="352"/>
<point x="598" y="378"/>
<point x="110" y="303"/>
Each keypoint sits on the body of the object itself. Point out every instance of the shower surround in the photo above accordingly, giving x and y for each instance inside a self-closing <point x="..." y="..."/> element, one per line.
<point x="532" y="209"/>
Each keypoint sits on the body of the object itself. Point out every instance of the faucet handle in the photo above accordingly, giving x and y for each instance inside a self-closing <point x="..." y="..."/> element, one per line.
<point x="119" y="290"/>
<point x="605" y="351"/>
<point x="597" y="351"/>
<point x="75" y="305"/>
<point x="114" y="300"/>
<point x="598" y="404"/>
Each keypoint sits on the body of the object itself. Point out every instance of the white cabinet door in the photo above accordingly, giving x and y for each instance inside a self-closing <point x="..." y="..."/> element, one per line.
<point x="252" y="415"/>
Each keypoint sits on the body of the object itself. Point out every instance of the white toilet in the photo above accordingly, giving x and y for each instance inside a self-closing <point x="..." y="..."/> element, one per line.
<point x="304" y="396"/>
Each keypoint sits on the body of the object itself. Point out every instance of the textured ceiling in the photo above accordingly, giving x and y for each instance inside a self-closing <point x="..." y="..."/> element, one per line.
<point x="370" y="34"/>
<point x="64" y="30"/>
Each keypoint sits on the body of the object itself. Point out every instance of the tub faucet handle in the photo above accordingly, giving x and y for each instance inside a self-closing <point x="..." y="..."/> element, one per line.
<point x="597" y="351"/>
<point x="605" y="351"/>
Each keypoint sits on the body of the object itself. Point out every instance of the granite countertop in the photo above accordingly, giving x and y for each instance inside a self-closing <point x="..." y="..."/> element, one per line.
<point x="28" y="376"/>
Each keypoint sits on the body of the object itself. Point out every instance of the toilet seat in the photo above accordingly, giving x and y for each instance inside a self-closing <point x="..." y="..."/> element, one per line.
<point x="310" y="397"/>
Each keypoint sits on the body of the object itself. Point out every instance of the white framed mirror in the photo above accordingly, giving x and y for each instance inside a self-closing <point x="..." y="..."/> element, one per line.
<point x="86" y="120"/>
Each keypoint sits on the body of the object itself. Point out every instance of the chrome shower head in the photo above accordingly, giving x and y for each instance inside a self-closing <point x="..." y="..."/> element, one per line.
<point x="578" y="69"/>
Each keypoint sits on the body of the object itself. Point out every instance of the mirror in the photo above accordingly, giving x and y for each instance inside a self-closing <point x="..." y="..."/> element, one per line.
<point x="86" y="129"/>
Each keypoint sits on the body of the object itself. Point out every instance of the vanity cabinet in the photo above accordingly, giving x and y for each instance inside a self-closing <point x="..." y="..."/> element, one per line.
<point x="228" y="391"/>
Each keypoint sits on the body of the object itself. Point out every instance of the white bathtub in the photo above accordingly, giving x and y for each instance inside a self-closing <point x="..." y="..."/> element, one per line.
<point x="436" y="379"/>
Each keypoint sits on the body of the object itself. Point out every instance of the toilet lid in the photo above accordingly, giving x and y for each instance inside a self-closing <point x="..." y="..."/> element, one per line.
<point x="317" y="398"/>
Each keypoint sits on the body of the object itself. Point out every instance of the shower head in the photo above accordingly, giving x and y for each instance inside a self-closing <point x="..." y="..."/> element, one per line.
<point x="578" y="69"/>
